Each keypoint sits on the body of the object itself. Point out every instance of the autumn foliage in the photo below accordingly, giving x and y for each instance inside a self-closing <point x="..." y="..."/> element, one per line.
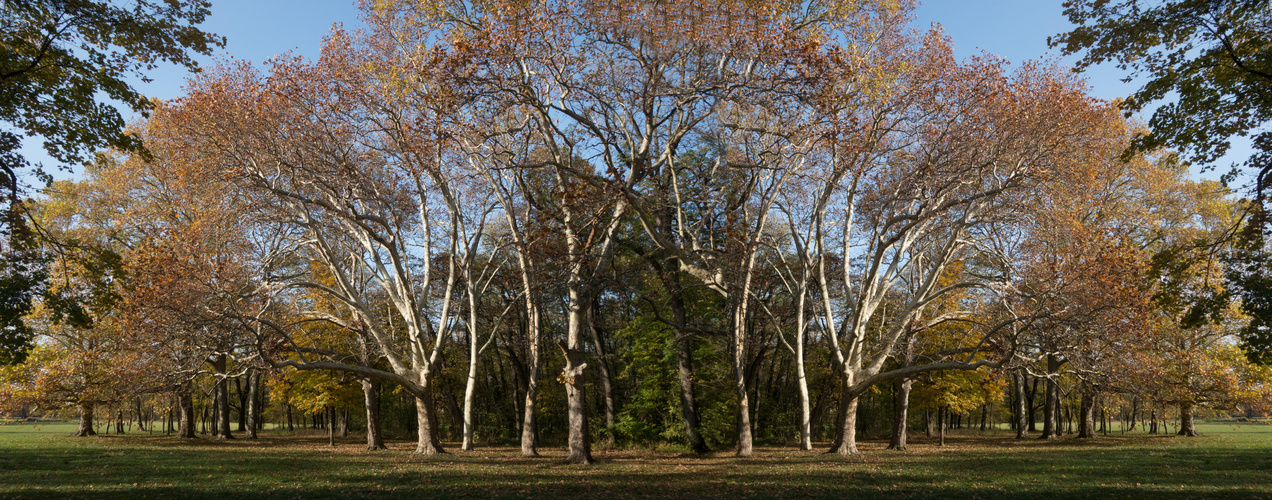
<point x="740" y="220"/>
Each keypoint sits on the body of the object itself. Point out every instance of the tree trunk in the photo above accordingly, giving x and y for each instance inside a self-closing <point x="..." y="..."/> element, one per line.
<point x="603" y="364"/>
<point x="579" y="439"/>
<point x="805" y="407"/>
<point x="222" y="424"/>
<point x="1050" y="424"/>
<point x="375" y="440"/>
<point x="429" y="443"/>
<point x="329" y="414"/>
<point x="738" y="355"/>
<point x="672" y="282"/>
<point x="1051" y="405"/>
<point x="848" y="426"/>
<point x="942" y="415"/>
<point x="290" y="423"/>
<point x="1086" y="417"/>
<point x="1187" y="427"/>
<point x="900" y="411"/>
<point x="529" y="420"/>
<point x="141" y="417"/>
<point x="1103" y="419"/>
<point x="1134" y="414"/>
<point x="984" y="416"/>
<point x="243" y="397"/>
<point x="1030" y="396"/>
<point x="222" y="430"/>
<point x="259" y="408"/>
<point x="470" y="383"/>
<point x="929" y="423"/>
<point x="1021" y="409"/>
<point x="344" y="422"/>
<point x="253" y="408"/>
<point x="753" y="378"/>
<point x="684" y="370"/>
<point x="85" y="421"/>
<point x="580" y="445"/>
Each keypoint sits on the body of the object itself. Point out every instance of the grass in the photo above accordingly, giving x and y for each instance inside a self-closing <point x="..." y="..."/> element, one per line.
<point x="1229" y="461"/>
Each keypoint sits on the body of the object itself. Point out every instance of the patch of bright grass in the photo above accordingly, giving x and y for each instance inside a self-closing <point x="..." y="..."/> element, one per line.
<point x="1229" y="460"/>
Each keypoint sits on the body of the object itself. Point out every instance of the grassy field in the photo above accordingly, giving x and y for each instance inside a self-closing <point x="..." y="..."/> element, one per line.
<point x="1229" y="461"/>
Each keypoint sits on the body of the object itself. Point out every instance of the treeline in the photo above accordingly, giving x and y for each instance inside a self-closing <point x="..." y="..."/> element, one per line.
<point x="708" y="224"/>
<point x="335" y="408"/>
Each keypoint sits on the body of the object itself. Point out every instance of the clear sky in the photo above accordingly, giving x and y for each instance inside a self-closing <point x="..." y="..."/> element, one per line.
<point x="256" y="30"/>
<point x="1014" y="29"/>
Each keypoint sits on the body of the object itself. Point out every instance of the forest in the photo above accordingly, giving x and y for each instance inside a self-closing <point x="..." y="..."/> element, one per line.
<point x="691" y="226"/>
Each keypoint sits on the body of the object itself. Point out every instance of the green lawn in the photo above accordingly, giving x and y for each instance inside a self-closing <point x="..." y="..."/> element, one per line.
<point x="1229" y="461"/>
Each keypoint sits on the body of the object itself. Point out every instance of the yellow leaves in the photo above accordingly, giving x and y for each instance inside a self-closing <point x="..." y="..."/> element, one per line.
<point x="312" y="390"/>
<point x="961" y="390"/>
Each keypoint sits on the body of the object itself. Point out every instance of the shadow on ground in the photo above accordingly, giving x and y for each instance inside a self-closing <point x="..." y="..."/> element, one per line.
<point x="1236" y="465"/>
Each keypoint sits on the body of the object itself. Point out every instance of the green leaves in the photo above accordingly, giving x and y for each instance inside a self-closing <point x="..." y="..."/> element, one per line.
<point x="1249" y="279"/>
<point x="1213" y="55"/>
<point x="56" y="58"/>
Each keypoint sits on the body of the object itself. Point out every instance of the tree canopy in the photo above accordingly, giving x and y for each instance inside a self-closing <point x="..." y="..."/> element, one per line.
<point x="65" y="65"/>
<point x="1207" y="63"/>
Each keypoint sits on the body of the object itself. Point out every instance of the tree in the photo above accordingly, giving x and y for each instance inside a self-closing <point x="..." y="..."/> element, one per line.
<point x="59" y="55"/>
<point x="57" y="58"/>
<point x="82" y="368"/>
<point x="1199" y="367"/>
<point x="90" y="355"/>
<point x="1212" y="54"/>
<point x="1210" y="62"/>
<point x="965" y="155"/>
<point x="361" y="182"/>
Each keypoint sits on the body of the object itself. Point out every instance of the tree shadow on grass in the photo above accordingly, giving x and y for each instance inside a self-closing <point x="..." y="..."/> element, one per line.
<point x="305" y="466"/>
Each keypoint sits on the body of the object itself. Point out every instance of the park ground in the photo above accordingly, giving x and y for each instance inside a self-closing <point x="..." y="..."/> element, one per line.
<point x="1230" y="460"/>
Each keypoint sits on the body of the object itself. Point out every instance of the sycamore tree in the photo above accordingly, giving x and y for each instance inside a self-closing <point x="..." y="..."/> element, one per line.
<point x="960" y="159"/>
<point x="694" y="120"/>
<point x="349" y="170"/>
<point x="691" y="116"/>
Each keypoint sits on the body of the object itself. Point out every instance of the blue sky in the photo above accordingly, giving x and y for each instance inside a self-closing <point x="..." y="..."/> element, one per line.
<point x="1014" y="29"/>
<point x="256" y="30"/>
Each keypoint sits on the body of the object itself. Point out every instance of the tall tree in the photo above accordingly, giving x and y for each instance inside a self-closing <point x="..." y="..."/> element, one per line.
<point x="1208" y="63"/>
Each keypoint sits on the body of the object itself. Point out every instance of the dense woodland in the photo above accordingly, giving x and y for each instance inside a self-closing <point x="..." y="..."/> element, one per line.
<point x="705" y="225"/>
